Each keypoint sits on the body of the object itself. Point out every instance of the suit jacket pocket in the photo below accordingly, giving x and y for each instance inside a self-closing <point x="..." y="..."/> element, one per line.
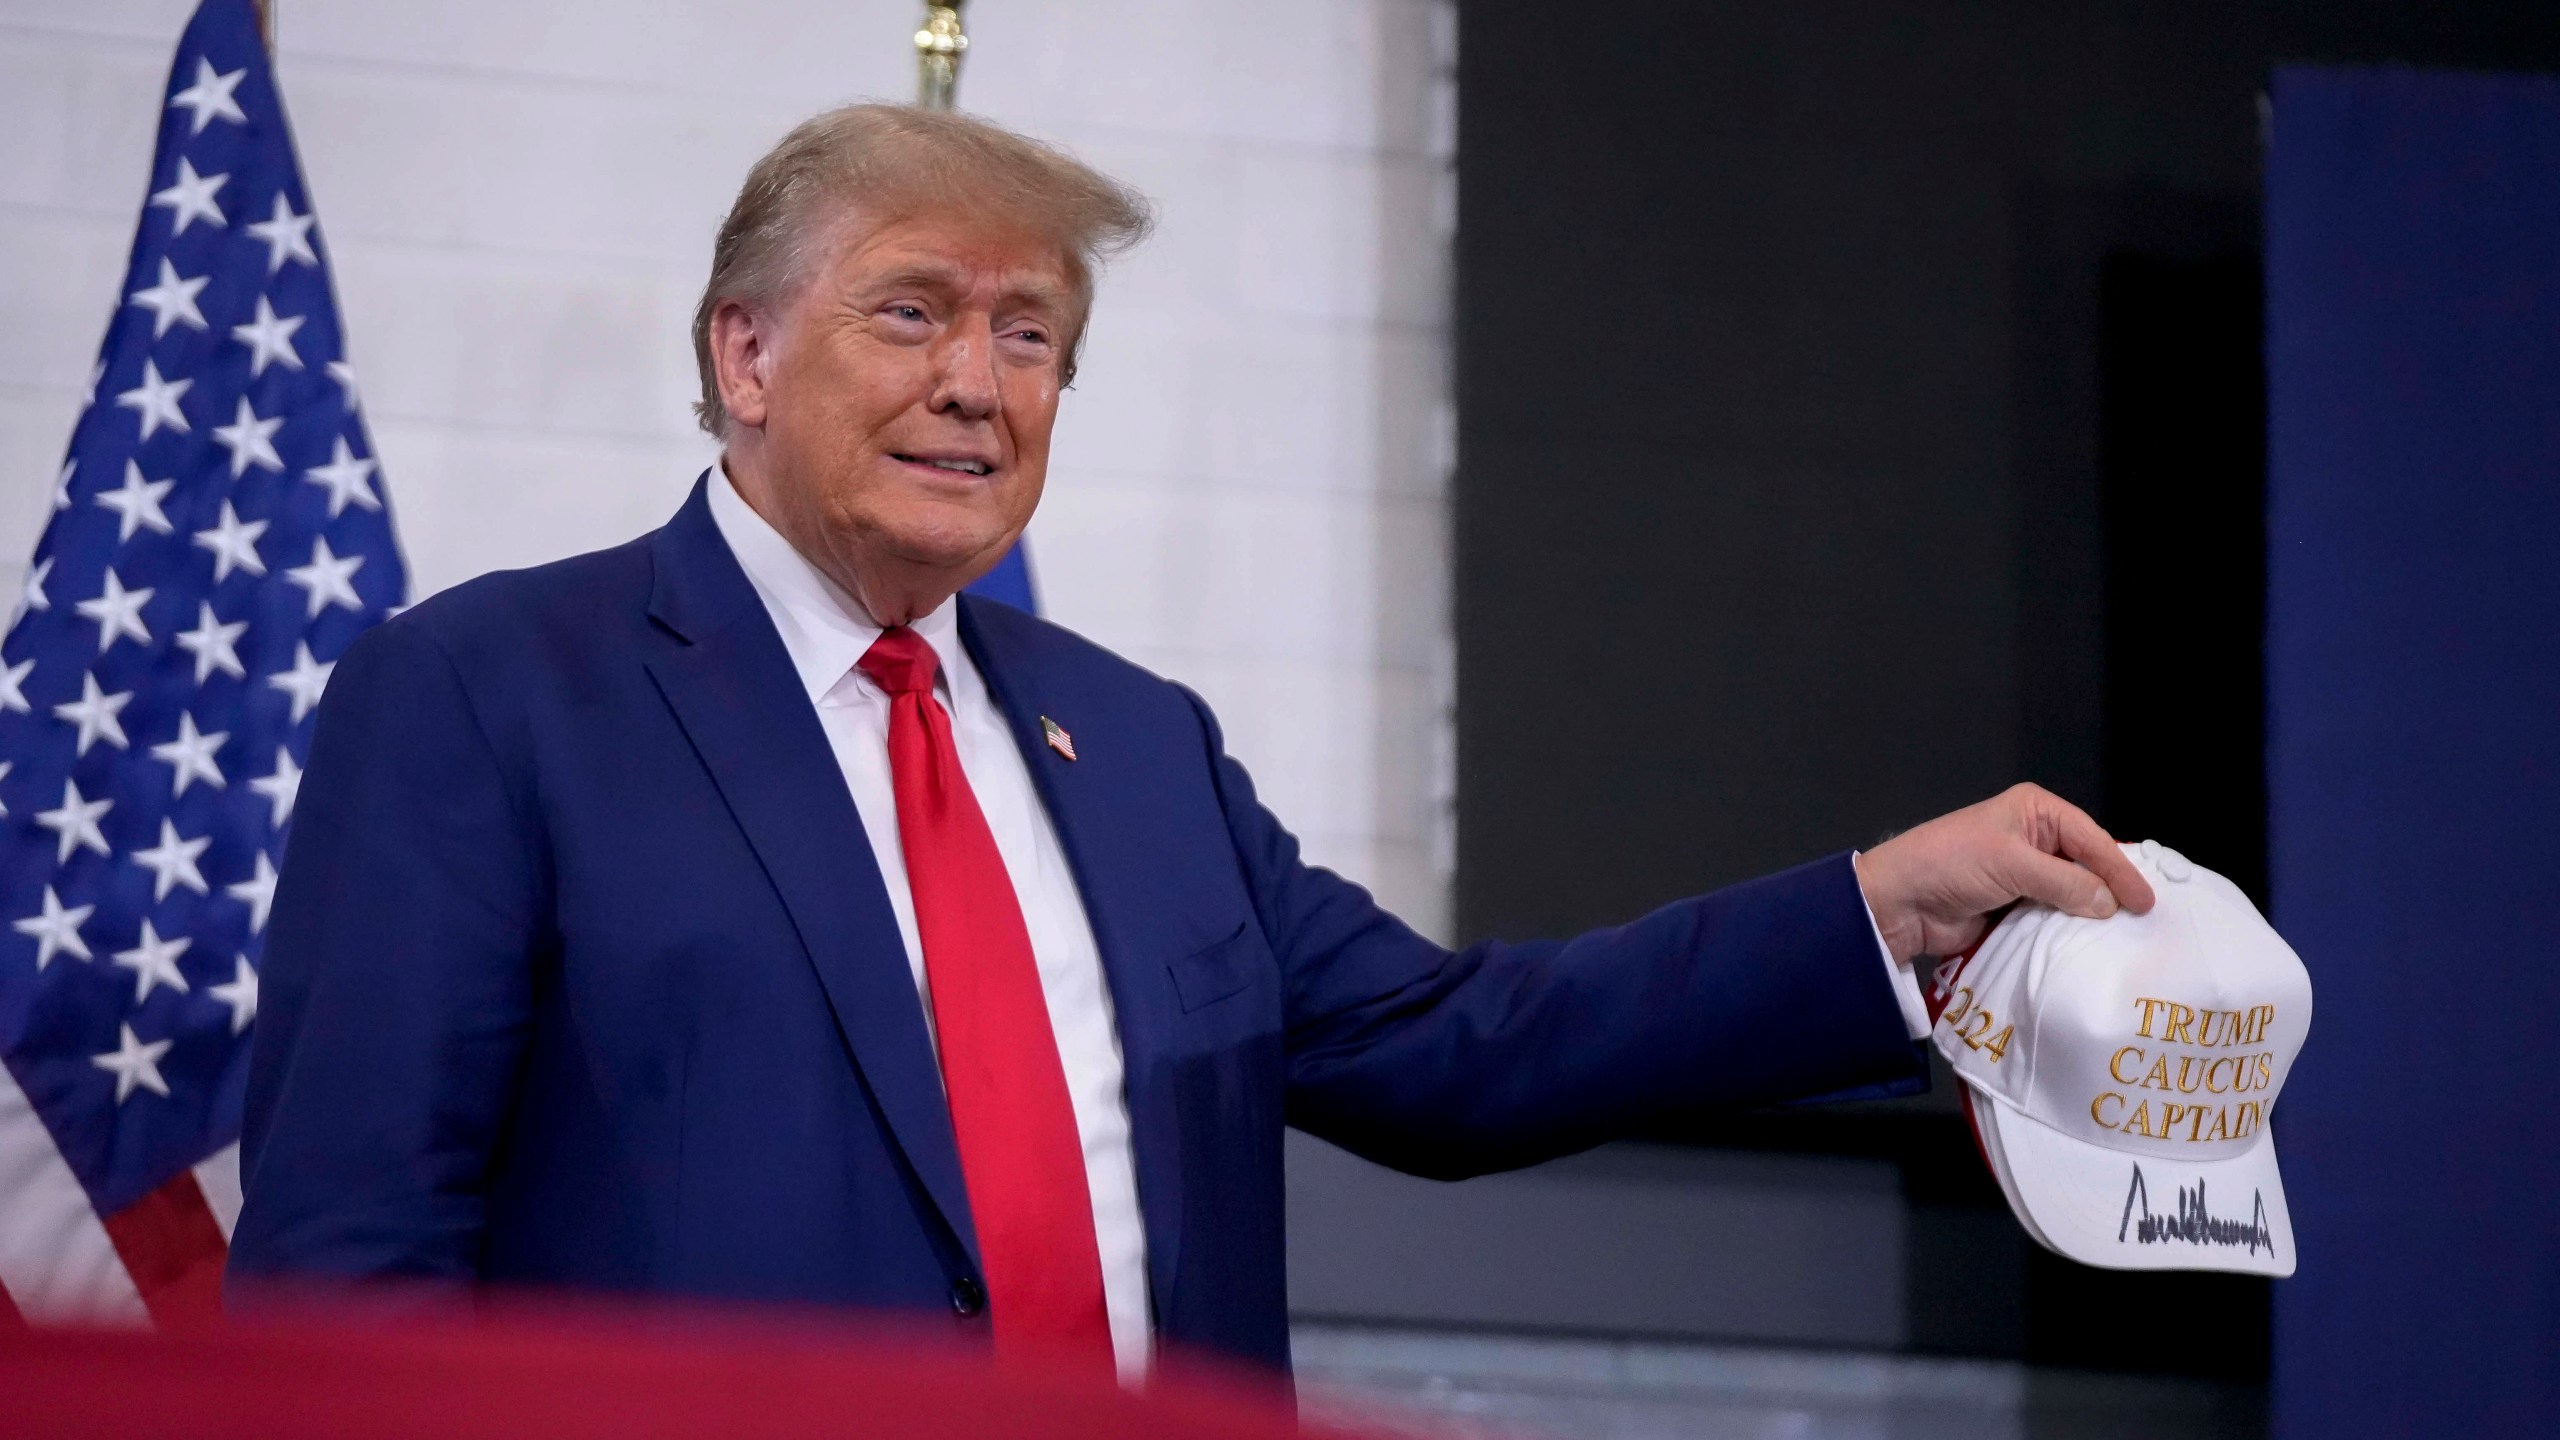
<point x="1215" y="972"/>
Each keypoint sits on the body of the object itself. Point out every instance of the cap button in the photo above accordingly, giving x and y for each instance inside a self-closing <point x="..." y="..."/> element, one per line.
<point x="2174" y="866"/>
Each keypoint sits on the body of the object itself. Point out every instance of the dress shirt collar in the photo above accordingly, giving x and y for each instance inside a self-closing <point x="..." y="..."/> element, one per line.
<point x="825" y="629"/>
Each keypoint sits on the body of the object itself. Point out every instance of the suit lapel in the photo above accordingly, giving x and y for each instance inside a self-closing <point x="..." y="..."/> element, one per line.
<point x="1084" y="800"/>
<point x="733" y="689"/>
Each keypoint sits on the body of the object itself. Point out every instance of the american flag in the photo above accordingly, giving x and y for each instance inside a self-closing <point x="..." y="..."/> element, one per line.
<point x="219" y="536"/>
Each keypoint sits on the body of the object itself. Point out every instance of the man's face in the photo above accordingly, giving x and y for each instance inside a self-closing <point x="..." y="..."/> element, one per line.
<point x="909" y="398"/>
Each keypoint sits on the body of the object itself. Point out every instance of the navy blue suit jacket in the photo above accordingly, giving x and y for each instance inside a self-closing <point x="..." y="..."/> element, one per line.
<point x="580" y="973"/>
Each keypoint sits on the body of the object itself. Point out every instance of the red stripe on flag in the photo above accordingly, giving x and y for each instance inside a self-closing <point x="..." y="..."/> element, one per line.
<point x="11" y="1322"/>
<point x="173" y="1248"/>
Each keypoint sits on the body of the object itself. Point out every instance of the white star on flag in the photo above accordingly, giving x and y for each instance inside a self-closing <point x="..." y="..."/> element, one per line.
<point x="345" y="477"/>
<point x="240" y="992"/>
<point x="303" y="682"/>
<point x="137" y="503"/>
<point x="76" y="822"/>
<point x="234" y="543"/>
<point x="57" y="930"/>
<point x="250" y="440"/>
<point x="190" y="198"/>
<point x="95" y="713"/>
<point x="154" y="962"/>
<point x="62" y="483"/>
<point x="34" y="596"/>
<point x="192" y="755"/>
<point x="345" y="375"/>
<point x="172" y="301"/>
<point x="13" y="694"/>
<point x="287" y="236"/>
<point x="157" y="401"/>
<point x="269" y="337"/>
<point x="135" y="1065"/>
<point x="172" y="862"/>
<point x="210" y="98"/>
<point x="118" y="612"/>
<point x="329" y="579"/>
<point x="212" y="643"/>
<point x="281" y="787"/>
<point x="258" y="892"/>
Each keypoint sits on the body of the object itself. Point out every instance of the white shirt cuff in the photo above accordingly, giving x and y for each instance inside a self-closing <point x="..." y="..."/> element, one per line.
<point x="1906" y="983"/>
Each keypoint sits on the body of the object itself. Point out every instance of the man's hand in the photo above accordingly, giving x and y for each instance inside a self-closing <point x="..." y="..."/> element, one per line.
<point x="1933" y="888"/>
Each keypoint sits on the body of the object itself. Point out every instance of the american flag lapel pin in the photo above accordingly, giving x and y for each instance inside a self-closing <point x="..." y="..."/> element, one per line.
<point x="1057" y="736"/>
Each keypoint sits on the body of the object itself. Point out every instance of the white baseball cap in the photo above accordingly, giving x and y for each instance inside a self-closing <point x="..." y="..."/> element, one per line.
<point x="2120" y="1073"/>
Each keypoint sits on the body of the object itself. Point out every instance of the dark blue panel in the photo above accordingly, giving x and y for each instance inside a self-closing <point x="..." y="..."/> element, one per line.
<point x="1010" y="581"/>
<point x="2413" y="236"/>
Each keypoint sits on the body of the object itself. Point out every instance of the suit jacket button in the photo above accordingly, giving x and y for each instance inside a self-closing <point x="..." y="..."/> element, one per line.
<point x="968" y="1297"/>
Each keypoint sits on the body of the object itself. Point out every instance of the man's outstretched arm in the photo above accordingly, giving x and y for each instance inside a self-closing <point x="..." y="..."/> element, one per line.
<point x="1498" y="1055"/>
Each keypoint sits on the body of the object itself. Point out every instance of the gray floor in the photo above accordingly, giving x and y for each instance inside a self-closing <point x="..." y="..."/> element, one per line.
<point x="1422" y="1382"/>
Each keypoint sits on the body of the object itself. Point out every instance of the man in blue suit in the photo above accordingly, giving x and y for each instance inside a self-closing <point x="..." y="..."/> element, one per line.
<point x="743" y="912"/>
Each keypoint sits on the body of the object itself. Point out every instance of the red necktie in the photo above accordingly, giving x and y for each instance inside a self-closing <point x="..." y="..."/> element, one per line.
<point x="1019" y="1151"/>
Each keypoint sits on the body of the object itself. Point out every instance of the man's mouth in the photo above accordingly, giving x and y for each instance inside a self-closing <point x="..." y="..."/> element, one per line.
<point x="959" y="467"/>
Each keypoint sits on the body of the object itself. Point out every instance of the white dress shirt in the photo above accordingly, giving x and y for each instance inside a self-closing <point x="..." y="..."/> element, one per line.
<point x="1906" y="982"/>
<point x="826" y="631"/>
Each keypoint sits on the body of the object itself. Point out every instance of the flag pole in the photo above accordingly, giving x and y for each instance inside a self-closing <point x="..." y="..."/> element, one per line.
<point x="939" y="46"/>
<point x="267" y="24"/>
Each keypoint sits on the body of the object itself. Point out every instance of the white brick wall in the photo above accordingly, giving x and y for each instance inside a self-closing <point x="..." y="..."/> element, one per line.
<point x="1249" y="491"/>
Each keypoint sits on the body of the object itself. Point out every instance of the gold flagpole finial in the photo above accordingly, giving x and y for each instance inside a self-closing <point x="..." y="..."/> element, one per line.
<point x="267" y="22"/>
<point x="938" y="49"/>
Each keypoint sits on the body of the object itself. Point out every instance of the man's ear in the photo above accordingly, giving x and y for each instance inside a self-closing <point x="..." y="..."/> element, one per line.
<point x="742" y="354"/>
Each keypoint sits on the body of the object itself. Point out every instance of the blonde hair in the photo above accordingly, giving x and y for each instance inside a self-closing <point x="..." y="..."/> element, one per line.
<point x="889" y="162"/>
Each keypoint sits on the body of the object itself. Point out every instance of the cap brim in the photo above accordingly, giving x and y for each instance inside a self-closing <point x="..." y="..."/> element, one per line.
<point x="2123" y="1211"/>
<point x="1986" y="1136"/>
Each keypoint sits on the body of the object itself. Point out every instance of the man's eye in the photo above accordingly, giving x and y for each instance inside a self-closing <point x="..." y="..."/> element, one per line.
<point x="907" y="312"/>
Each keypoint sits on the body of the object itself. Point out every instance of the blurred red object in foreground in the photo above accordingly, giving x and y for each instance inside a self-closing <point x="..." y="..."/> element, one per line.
<point x="561" y="1374"/>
